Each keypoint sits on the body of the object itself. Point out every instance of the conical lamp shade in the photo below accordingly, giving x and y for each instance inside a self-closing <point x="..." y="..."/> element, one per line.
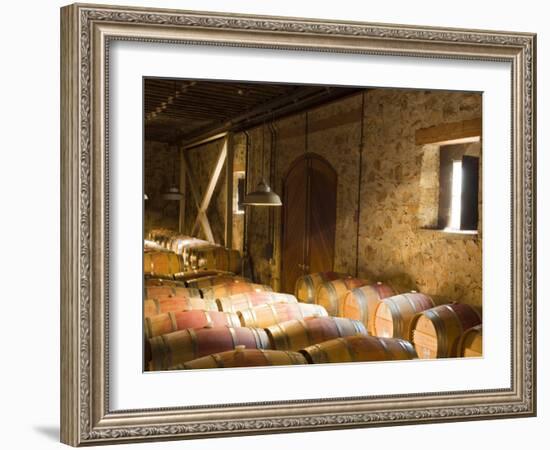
<point x="172" y="193"/>
<point x="262" y="196"/>
<point x="145" y="197"/>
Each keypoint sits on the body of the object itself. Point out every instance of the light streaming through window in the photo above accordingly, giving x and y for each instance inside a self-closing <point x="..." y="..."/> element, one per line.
<point x="456" y="195"/>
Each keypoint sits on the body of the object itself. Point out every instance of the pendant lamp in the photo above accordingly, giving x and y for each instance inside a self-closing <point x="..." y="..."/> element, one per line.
<point x="173" y="192"/>
<point x="263" y="195"/>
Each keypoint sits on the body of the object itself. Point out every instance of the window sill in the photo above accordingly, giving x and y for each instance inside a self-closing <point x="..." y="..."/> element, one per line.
<point x="451" y="234"/>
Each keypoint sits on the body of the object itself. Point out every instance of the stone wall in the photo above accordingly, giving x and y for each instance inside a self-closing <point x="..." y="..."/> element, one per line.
<point x="160" y="160"/>
<point x="393" y="245"/>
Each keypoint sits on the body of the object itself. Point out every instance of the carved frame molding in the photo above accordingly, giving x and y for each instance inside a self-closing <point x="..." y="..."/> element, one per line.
<point x="86" y="33"/>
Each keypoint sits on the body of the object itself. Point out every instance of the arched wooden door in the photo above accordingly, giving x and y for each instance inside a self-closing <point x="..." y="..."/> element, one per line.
<point x="309" y="219"/>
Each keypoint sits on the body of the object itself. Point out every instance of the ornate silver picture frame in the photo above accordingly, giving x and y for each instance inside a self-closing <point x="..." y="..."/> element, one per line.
<point x="87" y="32"/>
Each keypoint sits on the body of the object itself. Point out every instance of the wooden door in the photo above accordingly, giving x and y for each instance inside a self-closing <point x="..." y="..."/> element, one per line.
<point x="309" y="219"/>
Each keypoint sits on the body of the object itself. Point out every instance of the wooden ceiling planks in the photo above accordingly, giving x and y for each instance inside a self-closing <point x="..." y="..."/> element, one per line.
<point x="177" y="110"/>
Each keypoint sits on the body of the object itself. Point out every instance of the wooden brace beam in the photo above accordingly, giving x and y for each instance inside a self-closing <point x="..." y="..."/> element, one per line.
<point x="202" y="218"/>
<point x="193" y="187"/>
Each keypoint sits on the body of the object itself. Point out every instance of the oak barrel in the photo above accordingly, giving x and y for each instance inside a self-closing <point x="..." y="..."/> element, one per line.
<point x="436" y="331"/>
<point x="161" y="236"/>
<point x="307" y="285"/>
<point x="179" y="320"/>
<point x="360" y="303"/>
<point x="298" y="334"/>
<point x="163" y="282"/>
<point x="359" y="348"/>
<point x="153" y="307"/>
<point x="214" y="280"/>
<point x="162" y="264"/>
<point x="150" y="246"/>
<point x="191" y="275"/>
<point x="247" y="300"/>
<point x="170" y="291"/>
<point x="471" y="343"/>
<point x="181" y="244"/>
<point x="157" y="233"/>
<point x="181" y="346"/>
<point x="215" y="257"/>
<point x="224" y="290"/>
<point x="266" y="315"/>
<point x="329" y="294"/>
<point x="393" y="315"/>
<point x="245" y="358"/>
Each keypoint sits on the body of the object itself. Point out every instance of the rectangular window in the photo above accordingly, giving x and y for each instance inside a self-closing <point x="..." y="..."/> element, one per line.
<point x="456" y="195"/>
<point x="458" y="188"/>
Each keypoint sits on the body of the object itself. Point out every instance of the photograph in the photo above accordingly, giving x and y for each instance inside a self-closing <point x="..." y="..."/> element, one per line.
<point x="283" y="224"/>
<point x="305" y="224"/>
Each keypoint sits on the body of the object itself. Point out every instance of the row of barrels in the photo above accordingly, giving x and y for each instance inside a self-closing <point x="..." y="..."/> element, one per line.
<point x="436" y="331"/>
<point x="188" y="253"/>
<point x="317" y="339"/>
<point x="167" y="264"/>
<point x="264" y="321"/>
<point x="254" y="327"/>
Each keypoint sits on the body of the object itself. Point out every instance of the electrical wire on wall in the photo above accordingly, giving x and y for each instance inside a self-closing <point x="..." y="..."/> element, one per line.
<point x="271" y="223"/>
<point x="361" y="147"/>
<point x="246" y="261"/>
<point x="305" y="251"/>
<point x="273" y="213"/>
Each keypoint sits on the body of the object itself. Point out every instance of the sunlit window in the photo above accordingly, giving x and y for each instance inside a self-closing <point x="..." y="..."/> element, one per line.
<point x="456" y="196"/>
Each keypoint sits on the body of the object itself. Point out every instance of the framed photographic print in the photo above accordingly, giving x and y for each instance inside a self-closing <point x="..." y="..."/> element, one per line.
<point x="276" y="225"/>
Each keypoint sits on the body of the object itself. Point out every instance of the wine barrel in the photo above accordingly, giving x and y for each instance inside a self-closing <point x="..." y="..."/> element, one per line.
<point x="392" y="317"/>
<point x="215" y="257"/>
<point x="298" y="334"/>
<point x="307" y="285"/>
<point x="247" y="300"/>
<point x="157" y="234"/>
<point x="162" y="236"/>
<point x="152" y="246"/>
<point x="179" y="320"/>
<point x="329" y="294"/>
<point x="245" y="358"/>
<point x="192" y="275"/>
<point x="225" y="290"/>
<point x="209" y="281"/>
<point x="181" y="244"/>
<point x="359" y="348"/>
<point x="170" y="291"/>
<point x="181" y="346"/>
<point x="162" y="264"/>
<point x="471" y="343"/>
<point x="153" y="307"/>
<point x="436" y="331"/>
<point x="149" y="282"/>
<point x="360" y="303"/>
<point x="264" y="316"/>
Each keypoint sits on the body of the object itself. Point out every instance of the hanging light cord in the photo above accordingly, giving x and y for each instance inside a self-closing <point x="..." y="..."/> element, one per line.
<point x="246" y="178"/>
<point x="305" y="266"/>
<point x="361" y="146"/>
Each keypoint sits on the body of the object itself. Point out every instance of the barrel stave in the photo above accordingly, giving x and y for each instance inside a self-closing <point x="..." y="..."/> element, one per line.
<point x="264" y="316"/>
<point x="359" y="348"/>
<point x="179" y="347"/>
<point x="300" y="333"/>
